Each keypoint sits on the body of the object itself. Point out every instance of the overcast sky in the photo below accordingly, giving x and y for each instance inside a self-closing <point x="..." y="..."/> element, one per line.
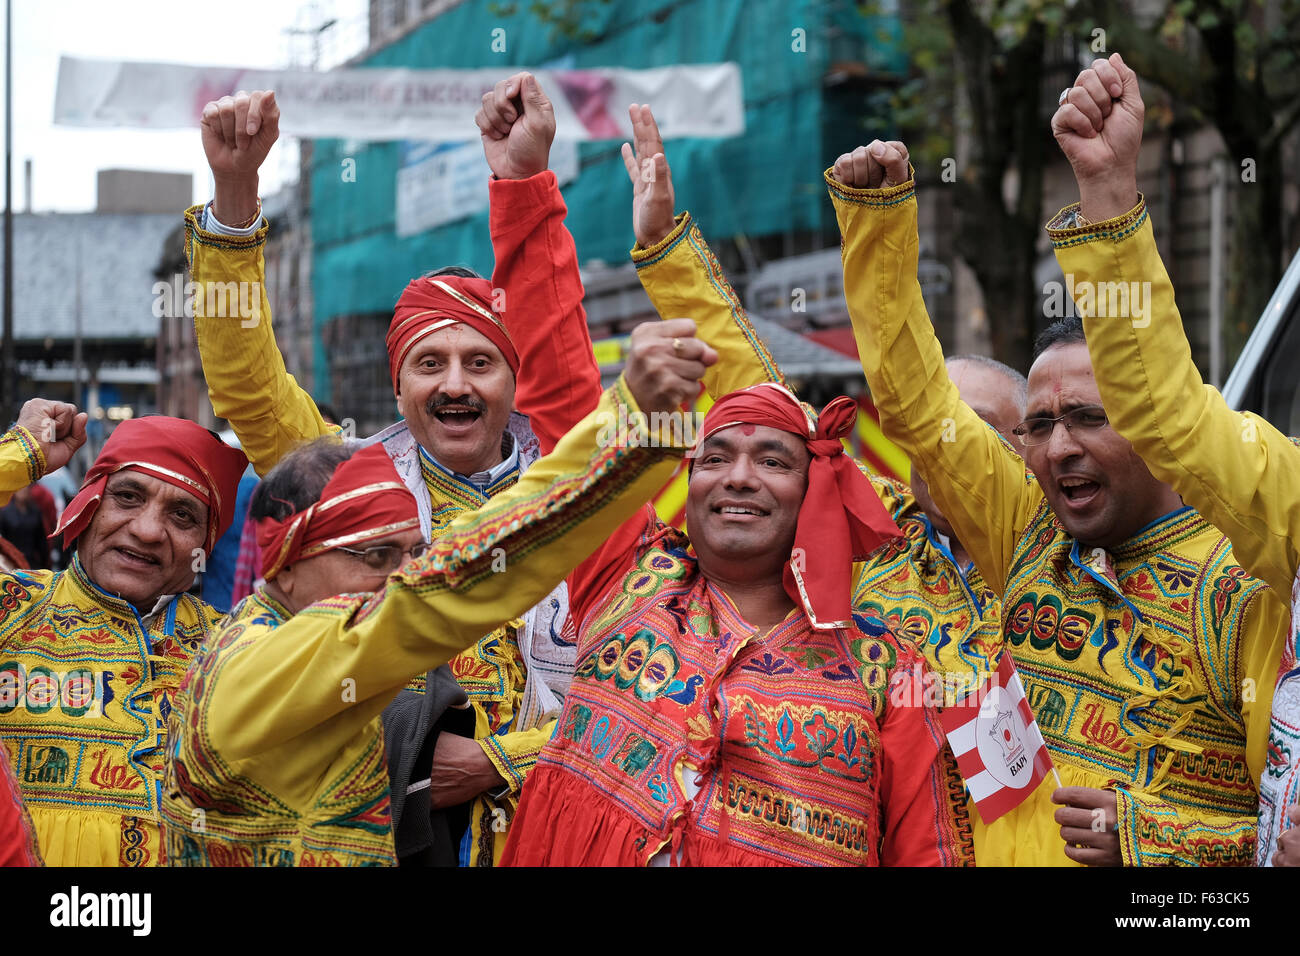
<point x="248" y="33"/>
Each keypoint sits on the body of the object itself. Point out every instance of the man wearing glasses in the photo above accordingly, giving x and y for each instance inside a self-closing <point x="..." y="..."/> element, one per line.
<point x="1146" y="651"/>
<point x="1234" y="466"/>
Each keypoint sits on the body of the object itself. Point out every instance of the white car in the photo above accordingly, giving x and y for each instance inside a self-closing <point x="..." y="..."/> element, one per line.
<point x="1266" y="378"/>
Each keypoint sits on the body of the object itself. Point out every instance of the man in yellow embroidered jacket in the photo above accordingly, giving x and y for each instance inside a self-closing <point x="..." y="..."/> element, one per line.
<point x="1130" y="621"/>
<point x="90" y="657"/>
<point x="923" y="588"/>
<point x="277" y="746"/>
<point x="1234" y="467"/>
<point x="457" y="376"/>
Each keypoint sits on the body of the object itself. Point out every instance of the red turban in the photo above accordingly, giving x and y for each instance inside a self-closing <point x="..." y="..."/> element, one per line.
<point x="841" y="519"/>
<point x="174" y="450"/>
<point x="363" y="500"/>
<point x="433" y="303"/>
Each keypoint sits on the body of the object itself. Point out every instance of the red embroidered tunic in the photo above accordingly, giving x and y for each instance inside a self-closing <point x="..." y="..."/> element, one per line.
<point x="687" y="730"/>
<point x="17" y="835"/>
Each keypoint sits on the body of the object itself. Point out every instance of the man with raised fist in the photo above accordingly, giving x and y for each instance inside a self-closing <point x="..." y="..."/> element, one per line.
<point x="1129" y="620"/>
<point x="1234" y="467"/>
<point x="460" y="356"/>
<point x="91" y="656"/>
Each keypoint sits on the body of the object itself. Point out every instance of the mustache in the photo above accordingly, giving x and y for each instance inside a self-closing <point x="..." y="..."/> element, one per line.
<point x="446" y="401"/>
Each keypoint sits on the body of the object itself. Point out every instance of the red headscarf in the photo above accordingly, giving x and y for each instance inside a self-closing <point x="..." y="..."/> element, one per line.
<point x="363" y="500"/>
<point x="174" y="450"/>
<point x="841" y="519"/>
<point x="433" y="303"/>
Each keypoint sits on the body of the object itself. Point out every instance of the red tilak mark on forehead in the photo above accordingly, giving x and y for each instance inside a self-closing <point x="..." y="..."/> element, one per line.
<point x="747" y="429"/>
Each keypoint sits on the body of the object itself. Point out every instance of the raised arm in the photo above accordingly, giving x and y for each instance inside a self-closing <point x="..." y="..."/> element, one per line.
<point x="680" y="273"/>
<point x="489" y="566"/>
<point x="1233" y="467"/>
<point x="981" y="485"/>
<point x="247" y="381"/>
<point x="536" y="269"/>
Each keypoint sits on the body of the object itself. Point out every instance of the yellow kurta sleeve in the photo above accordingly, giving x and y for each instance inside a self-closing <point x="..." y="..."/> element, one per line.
<point x="336" y="665"/>
<point x="247" y="381"/>
<point x="981" y="485"/>
<point x="684" y="280"/>
<point x="1233" y="467"/>
<point x="21" y="461"/>
<point x="514" y="754"/>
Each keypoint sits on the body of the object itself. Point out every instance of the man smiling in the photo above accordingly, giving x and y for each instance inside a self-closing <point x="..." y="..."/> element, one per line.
<point x="725" y="710"/>
<point x="1142" y="644"/>
<point x="457" y="379"/>
<point x="90" y="657"/>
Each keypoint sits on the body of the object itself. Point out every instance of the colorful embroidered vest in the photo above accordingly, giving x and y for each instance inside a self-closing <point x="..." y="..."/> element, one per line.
<point x="913" y="587"/>
<point x="685" y="729"/>
<point x="1130" y="658"/>
<point x="85" y="692"/>
<point x="315" y="806"/>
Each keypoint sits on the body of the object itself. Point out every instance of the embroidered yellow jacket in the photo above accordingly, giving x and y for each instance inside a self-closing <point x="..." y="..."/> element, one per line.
<point x="1234" y="467"/>
<point x="250" y="387"/>
<point x="1133" y="660"/>
<point x="86" y="685"/>
<point x="277" y="753"/>
<point x="912" y="588"/>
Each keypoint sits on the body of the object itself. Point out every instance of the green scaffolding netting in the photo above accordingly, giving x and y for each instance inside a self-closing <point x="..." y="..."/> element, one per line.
<point x="766" y="181"/>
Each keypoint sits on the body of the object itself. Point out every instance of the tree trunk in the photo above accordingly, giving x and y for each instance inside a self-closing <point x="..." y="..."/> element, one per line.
<point x="1240" y="110"/>
<point x="1255" y="258"/>
<point x="997" y="242"/>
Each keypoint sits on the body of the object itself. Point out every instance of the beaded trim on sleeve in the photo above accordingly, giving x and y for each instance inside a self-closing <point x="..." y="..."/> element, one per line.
<point x="1069" y="228"/>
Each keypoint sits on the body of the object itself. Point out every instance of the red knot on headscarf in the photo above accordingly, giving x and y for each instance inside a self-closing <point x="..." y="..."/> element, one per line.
<point x="841" y="519"/>
<point x="435" y="302"/>
<point x="174" y="450"/>
<point x="363" y="500"/>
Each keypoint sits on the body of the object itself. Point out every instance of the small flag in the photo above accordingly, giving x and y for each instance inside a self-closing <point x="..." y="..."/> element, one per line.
<point x="999" y="748"/>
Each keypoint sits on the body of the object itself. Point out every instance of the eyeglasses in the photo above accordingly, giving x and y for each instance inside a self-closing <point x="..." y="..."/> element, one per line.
<point x="387" y="557"/>
<point x="1038" y="431"/>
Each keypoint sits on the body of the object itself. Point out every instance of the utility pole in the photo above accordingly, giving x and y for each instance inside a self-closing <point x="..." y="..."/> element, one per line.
<point x="315" y="28"/>
<point x="9" y="371"/>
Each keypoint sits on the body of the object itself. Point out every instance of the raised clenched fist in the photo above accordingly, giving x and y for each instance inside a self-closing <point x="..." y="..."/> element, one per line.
<point x="877" y="165"/>
<point x="57" y="427"/>
<point x="517" y="125"/>
<point x="665" y="363"/>
<point x="1098" y="126"/>
<point x="238" y="132"/>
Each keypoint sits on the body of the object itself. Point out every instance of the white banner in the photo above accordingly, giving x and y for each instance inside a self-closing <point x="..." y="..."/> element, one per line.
<point x="443" y="182"/>
<point x="382" y="104"/>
